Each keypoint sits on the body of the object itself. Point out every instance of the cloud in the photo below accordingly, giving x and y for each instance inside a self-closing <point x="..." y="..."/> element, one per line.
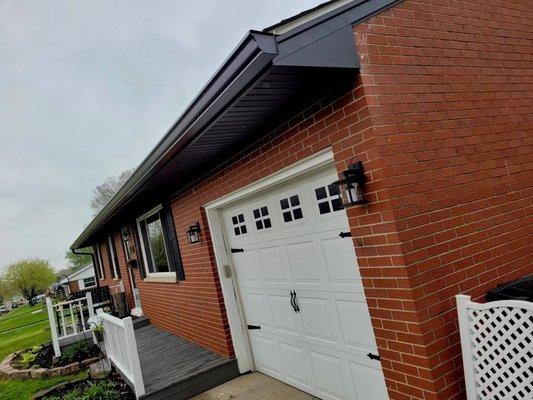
<point x="87" y="89"/>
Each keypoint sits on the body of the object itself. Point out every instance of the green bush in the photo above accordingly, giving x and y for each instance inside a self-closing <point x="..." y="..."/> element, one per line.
<point x="28" y="357"/>
<point x="102" y="390"/>
<point x="78" y="351"/>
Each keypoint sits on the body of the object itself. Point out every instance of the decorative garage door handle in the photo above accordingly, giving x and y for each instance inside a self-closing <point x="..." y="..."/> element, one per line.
<point x="294" y="302"/>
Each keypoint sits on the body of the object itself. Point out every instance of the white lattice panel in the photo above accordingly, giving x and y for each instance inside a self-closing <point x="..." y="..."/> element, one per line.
<point x="497" y="345"/>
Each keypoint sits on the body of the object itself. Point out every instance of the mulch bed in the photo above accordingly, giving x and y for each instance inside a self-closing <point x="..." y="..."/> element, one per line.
<point x="61" y="390"/>
<point x="45" y="358"/>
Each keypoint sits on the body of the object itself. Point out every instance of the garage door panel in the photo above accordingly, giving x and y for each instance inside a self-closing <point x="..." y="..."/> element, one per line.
<point x="266" y="356"/>
<point x="283" y="315"/>
<point x="368" y="383"/>
<point x="315" y="315"/>
<point x="247" y="269"/>
<point x="255" y="309"/>
<point x="272" y="264"/>
<point x="303" y="263"/>
<point x="341" y="264"/>
<point x="295" y="365"/>
<point x="355" y="324"/>
<point x="329" y="376"/>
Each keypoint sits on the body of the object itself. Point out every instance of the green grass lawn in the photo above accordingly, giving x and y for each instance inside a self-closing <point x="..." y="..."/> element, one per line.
<point x="19" y="389"/>
<point x="19" y="330"/>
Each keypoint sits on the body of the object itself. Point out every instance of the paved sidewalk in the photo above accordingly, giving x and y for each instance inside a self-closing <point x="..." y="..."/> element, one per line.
<point x="254" y="386"/>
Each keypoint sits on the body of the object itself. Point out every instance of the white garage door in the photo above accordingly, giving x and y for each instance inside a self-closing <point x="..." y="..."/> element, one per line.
<point x="299" y="282"/>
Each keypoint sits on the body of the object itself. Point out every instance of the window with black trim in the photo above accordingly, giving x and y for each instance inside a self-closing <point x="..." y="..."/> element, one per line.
<point x="89" y="282"/>
<point x="101" y="274"/>
<point x="154" y="244"/>
<point x="261" y="218"/>
<point x="291" y="208"/>
<point x="328" y="199"/>
<point x="239" y="225"/>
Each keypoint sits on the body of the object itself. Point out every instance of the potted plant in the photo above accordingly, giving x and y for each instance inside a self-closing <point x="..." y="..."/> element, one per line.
<point x="97" y="327"/>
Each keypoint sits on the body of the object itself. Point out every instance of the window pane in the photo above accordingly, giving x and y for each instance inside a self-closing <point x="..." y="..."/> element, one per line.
<point x="157" y="245"/>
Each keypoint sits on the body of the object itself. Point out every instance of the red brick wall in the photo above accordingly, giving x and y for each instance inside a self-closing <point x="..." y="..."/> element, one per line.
<point x="448" y="85"/>
<point x="74" y="286"/>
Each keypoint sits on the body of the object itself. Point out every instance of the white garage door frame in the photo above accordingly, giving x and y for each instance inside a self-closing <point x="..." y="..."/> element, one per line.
<point x="232" y="300"/>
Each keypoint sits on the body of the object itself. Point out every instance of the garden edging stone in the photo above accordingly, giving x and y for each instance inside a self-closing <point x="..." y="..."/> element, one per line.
<point x="8" y="372"/>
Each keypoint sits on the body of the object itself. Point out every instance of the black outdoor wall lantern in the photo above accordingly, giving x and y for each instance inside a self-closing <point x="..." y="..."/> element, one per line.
<point x="193" y="234"/>
<point x="352" y="185"/>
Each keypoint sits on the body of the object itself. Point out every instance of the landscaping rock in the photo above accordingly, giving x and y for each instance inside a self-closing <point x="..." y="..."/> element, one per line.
<point x="100" y="369"/>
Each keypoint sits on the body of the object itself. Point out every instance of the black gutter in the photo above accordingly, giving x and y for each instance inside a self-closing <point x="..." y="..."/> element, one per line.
<point x="93" y="257"/>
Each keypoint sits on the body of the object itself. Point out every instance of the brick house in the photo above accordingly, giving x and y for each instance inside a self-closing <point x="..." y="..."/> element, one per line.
<point x="434" y="98"/>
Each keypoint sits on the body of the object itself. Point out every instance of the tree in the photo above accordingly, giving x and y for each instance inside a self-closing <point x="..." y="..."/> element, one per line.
<point x="77" y="261"/>
<point x="105" y="191"/>
<point x="29" y="277"/>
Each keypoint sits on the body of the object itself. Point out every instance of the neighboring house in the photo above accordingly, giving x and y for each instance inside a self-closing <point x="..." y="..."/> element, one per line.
<point x="83" y="278"/>
<point x="434" y="98"/>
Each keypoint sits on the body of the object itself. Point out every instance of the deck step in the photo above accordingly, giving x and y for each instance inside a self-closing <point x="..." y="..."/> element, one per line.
<point x="140" y="322"/>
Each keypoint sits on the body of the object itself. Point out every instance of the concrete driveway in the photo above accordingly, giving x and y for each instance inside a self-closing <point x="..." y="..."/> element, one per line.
<point x="254" y="386"/>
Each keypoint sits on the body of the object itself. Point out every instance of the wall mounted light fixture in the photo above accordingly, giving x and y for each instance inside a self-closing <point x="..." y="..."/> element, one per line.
<point x="351" y="186"/>
<point x="193" y="234"/>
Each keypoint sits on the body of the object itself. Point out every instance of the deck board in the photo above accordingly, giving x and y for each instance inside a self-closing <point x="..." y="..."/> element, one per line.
<point x="171" y="364"/>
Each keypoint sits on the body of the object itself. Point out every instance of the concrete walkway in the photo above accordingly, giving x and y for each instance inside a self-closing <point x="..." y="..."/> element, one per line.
<point x="254" y="386"/>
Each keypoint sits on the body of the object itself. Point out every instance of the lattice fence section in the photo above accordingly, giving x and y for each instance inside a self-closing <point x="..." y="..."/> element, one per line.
<point x="497" y="344"/>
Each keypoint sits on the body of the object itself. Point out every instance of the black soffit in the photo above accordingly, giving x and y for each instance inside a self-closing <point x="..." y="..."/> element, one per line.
<point x="266" y="79"/>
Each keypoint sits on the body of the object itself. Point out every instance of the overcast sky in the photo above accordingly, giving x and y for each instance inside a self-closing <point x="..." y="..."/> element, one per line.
<point x="86" y="90"/>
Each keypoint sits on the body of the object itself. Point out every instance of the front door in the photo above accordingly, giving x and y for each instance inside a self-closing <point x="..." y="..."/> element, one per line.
<point x="301" y="291"/>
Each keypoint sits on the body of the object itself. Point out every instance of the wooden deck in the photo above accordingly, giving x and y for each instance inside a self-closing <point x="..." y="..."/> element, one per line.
<point x="174" y="368"/>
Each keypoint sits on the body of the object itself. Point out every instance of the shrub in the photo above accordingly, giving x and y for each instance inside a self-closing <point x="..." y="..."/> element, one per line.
<point x="29" y="356"/>
<point x="78" y="351"/>
<point x="103" y="390"/>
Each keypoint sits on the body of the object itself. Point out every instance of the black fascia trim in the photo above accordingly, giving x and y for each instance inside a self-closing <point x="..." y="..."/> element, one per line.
<point x="320" y="27"/>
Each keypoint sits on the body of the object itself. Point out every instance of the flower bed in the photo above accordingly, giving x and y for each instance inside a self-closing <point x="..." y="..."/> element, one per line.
<point x="39" y="362"/>
<point x="111" y="388"/>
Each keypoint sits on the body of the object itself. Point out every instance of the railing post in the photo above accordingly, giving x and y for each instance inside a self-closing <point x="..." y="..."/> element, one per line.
<point x="466" y="345"/>
<point x="90" y="307"/>
<point x="131" y="343"/>
<point x="53" y="327"/>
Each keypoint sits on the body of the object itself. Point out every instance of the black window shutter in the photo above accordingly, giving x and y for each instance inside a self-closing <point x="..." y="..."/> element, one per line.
<point x="171" y="240"/>
<point x="115" y="255"/>
<point x="144" y="237"/>
<point x="99" y="249"/>
<point x="96" y="263"/>
<point x="140" y="261"/>
<point x="110" y="258"/>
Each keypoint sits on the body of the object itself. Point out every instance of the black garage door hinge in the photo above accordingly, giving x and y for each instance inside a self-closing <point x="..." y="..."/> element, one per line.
<point x="345" y="234"/>
<point x="252" y="327"/>
<point x="373" y="356"/>
<point x="237" y="250"/>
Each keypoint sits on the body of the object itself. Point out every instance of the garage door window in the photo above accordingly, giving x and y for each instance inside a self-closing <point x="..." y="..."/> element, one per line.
<point x="262" y="219"/>
<point x="328" y="199"/>
<point x="291" y="208"/>
<point x="239" y="226"/>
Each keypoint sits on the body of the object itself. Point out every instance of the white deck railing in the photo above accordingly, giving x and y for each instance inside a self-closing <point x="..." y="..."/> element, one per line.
<point x="497" y="346"/>
<point x="69" y="319"/>
<point x="121" y="348"/>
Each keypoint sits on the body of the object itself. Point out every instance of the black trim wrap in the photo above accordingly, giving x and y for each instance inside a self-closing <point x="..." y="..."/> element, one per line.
<point x="171" y="241"/>
<point x="138" y="247"/>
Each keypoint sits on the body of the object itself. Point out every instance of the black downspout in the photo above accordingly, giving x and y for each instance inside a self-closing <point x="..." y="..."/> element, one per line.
<point x="93" y="256"/>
